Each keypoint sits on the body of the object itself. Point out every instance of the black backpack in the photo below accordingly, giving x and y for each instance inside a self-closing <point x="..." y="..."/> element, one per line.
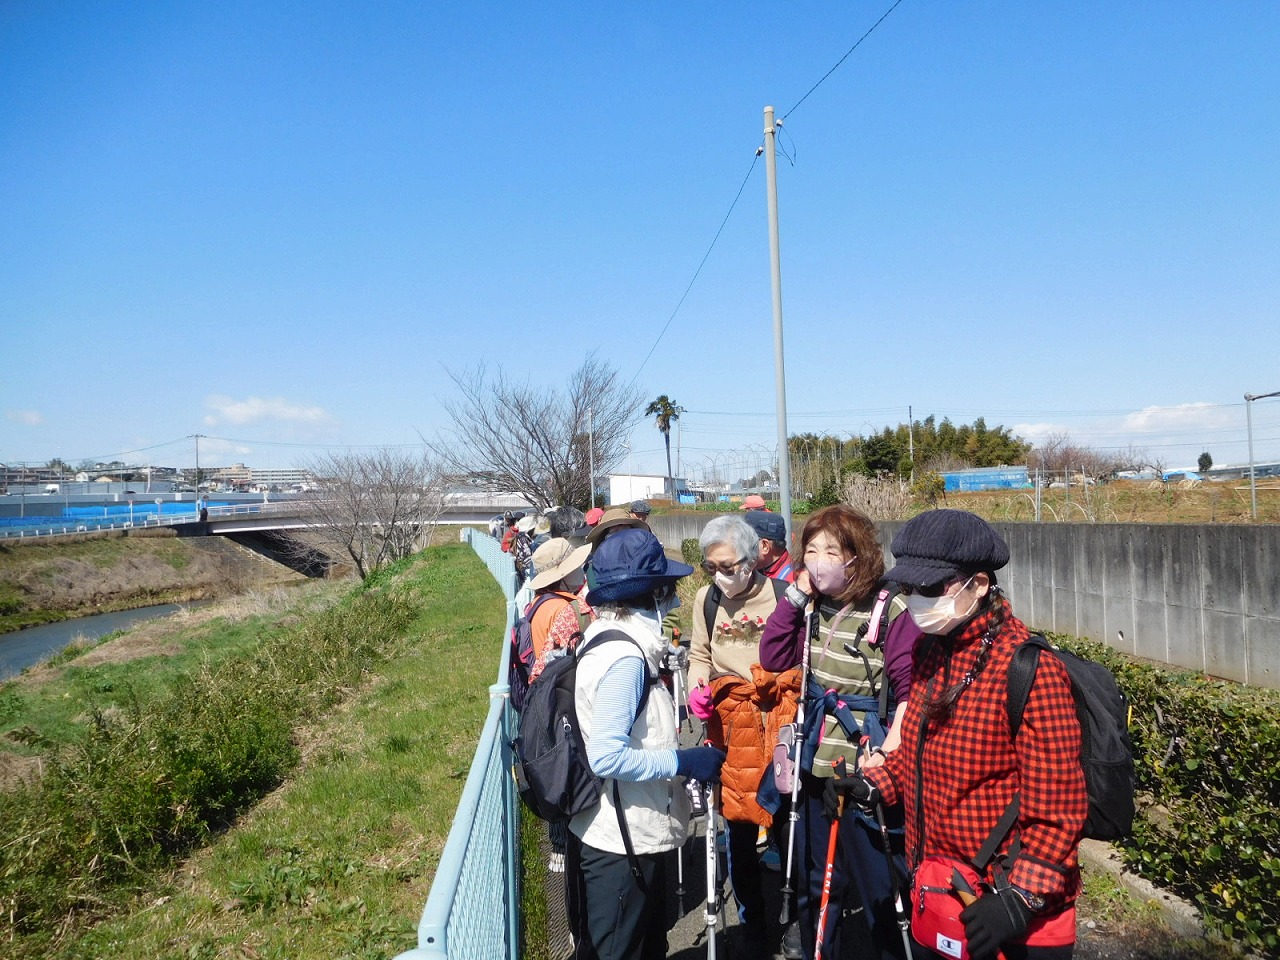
<point x="1106" y="754"/>
<point x="520" y="656"/>
<point x="550" y="767"/>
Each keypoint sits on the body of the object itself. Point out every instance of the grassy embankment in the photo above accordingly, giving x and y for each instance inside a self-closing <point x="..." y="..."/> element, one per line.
<point x="57" y="578"/>
<point x="354" y="712"/>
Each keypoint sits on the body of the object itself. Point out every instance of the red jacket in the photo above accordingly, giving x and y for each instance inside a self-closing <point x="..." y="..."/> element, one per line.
<point x="970" y="768"/>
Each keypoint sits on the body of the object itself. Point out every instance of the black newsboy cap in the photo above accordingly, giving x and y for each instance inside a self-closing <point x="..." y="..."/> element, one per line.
<point x="941" y="544"/>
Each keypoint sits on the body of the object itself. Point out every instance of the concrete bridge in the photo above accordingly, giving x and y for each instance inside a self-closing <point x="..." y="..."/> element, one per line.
<point x="461" y="508"/>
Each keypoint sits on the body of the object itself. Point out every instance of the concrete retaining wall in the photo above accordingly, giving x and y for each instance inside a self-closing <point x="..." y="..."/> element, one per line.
<point x="1201" y="596"/>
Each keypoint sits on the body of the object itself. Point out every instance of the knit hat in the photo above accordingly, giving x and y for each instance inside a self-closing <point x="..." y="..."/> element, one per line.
<point x="631" y="563"/>
<point x="940" y="545"/>
<point x="555" y="560"/>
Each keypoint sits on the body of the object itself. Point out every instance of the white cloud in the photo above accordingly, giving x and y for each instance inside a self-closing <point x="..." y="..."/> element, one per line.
<point x="1038" y="432"/>
<point x="1181" y="418"/>
<point x="256" y="409"/>
<point x="28" y="418"/>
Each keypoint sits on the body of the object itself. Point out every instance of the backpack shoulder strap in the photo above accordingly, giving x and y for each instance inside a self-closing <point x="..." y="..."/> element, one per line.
<point x="583" y="620"/>
<point x="779" y="588"/>
<point x="709" y="604"/>
<point x="612" y="634"/>
<point x="1022" y="674"/>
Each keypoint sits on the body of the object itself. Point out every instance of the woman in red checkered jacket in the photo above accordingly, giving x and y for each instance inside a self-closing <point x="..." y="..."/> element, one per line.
<point x="986" y="814"/>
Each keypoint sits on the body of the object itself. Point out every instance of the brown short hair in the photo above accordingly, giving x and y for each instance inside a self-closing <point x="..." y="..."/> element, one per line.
<point x="857" y="536"/>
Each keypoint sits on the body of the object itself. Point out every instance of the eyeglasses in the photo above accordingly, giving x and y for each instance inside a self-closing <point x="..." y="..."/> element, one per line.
<point x="711" y="569"/>
<point x="934" y="590"/>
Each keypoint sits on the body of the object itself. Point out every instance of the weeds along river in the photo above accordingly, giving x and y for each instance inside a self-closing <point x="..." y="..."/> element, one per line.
<point x="25" y="648"/>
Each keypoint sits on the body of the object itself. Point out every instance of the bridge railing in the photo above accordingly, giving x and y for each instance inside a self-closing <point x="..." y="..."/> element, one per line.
<point x="481" y="855"/>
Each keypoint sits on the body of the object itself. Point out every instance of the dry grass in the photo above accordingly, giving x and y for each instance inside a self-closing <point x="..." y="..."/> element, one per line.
<point x="1126" y="501"/>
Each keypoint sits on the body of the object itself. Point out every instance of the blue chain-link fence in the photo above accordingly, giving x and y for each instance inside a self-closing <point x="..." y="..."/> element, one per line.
<point x="473" y="908"/>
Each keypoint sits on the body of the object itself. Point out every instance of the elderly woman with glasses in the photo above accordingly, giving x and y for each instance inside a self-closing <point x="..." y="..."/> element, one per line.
<point x="742" y="704"/>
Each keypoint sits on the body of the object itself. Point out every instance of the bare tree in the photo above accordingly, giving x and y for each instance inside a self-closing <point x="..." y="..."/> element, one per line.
<point x="881" y="499"/>
<point x="533" y="439"/>
<point x="376" y="507"/>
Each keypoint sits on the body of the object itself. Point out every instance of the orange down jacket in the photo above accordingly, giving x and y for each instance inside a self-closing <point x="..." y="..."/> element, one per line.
<point x="748" y="715"/>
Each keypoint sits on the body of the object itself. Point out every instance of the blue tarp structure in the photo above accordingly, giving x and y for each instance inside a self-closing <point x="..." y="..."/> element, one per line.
<point x="987" y="478"/>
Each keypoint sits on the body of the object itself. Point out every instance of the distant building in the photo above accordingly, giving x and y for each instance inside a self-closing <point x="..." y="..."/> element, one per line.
<point x="986" y="478"/>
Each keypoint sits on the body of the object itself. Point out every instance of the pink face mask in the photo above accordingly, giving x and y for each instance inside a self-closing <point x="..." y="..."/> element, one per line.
<point x="830" y="577"/>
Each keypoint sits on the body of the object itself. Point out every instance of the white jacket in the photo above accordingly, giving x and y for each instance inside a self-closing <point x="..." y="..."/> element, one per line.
<point x="657" y="811"/>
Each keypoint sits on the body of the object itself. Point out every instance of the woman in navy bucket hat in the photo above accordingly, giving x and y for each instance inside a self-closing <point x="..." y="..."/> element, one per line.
<point x="629" y="722"/>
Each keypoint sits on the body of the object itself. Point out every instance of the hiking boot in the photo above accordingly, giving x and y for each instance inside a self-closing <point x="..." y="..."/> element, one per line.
<point x="791" y="943"/>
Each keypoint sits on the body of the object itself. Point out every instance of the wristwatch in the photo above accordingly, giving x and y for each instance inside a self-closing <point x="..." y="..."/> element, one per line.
<point x="796" y="597"/>
<point x="1034" y="902"/>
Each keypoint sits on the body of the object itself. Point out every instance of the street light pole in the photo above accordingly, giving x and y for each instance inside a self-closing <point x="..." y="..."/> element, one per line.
<point x="1248" y="416"/>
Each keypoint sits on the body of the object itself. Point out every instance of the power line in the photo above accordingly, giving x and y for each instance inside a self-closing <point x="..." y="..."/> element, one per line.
<point x="840" y="61"/>
<point x="701" y="263"/>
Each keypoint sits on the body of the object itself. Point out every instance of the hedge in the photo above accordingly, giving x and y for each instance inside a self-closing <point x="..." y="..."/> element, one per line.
<point x="1208" y="777"/>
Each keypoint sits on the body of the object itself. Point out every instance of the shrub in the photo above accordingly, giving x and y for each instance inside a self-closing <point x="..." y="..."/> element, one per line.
<point x="691" y="551"/>
<point x="149" y="782"/>
<point x="1208" y="772"/>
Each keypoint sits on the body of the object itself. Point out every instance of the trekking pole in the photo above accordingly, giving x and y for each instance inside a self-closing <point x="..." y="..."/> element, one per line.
<point x="712" y="914"/>
<point x="899" y="908"/>
<point x="679" y="683"/>
<point x="793" y="816"/>
<point x="831" y="864"/>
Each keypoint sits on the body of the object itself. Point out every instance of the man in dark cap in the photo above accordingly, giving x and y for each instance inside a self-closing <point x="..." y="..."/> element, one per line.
<point x="960" y="767"/>
<point x="640" y="509"/>
<point x="774" y="560"/>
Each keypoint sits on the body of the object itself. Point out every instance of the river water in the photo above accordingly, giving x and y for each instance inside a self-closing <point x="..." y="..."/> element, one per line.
<point x="24" y="648"/>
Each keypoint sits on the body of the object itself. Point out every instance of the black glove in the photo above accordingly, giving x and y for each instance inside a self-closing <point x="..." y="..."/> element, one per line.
<point x="857" y="789"/>
<point x="700" y="763"/>
<point x="993" y="920"/>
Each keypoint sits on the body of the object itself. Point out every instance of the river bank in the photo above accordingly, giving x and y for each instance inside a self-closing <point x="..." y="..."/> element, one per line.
<point x="42" y="581"/>
<point x="366" y="699"/>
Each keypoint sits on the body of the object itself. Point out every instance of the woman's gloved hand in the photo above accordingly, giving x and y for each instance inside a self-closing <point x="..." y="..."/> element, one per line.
<point x="700" y="763"/>
<point x="700" y="704"/>
<point x="857" y="789"/>
<point x="993" y="920"/>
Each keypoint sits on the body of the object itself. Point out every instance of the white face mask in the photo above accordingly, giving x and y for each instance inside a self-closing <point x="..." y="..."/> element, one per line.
<point x="573" y="581"/>
<point x="737" y="584"/>
<point x="938" y="615"/>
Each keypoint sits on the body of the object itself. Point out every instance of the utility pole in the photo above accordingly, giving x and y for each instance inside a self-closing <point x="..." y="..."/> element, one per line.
<point x="591" y="455"/>
<point x="679" y="413"/>
<point x="196" y="437"/>
<point x="911" y="442"/>
<point x="775" y="264"/>
<point x="1248" y="415"/>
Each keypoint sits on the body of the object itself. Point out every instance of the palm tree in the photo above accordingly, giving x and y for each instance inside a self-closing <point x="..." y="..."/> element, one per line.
<point x="664" y="411"/>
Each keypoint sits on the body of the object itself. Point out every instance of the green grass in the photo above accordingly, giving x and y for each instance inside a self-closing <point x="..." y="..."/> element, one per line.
<point x="338" y="861"/>
<point x="59" y="707"/>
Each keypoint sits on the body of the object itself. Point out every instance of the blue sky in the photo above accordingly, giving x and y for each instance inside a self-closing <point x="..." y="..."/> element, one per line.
<point x="279" y="224"/>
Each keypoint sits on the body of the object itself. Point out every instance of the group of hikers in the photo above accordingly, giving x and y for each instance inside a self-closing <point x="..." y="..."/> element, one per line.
<point x="855" y="720"/>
